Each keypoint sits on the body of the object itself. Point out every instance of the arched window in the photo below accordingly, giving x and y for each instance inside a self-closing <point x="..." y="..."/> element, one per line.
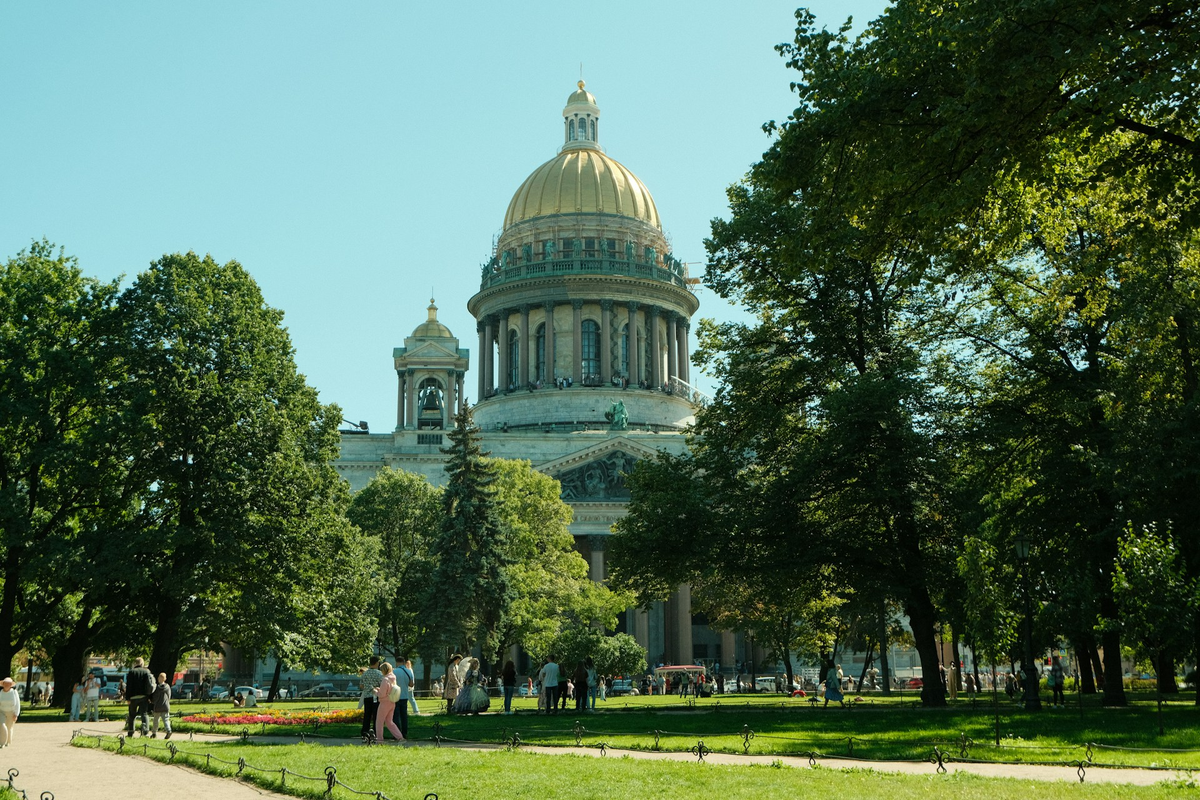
<point x="514" y="359"/>
<point x="540" y="347"/>
<point x="590" y="349"/>
<point x="593" y="126"/>
<point x="571" y="130"/>
<point x="431" y="404"/>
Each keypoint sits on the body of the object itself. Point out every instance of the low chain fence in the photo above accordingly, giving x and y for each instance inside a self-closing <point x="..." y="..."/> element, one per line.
<point x="13" y="773"/>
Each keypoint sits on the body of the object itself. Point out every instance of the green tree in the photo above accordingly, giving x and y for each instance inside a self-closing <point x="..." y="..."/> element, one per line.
<point x="236" y="497"/>
<point x="401" y="510"/>
<point x="549" y="579"/>
<point x="615" y="654"/>
<point x="61" y="450"/>
<point x="470" y="591"/>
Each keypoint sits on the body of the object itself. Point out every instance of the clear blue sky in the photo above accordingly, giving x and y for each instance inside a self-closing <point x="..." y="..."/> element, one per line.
<point x="356" y="157"/>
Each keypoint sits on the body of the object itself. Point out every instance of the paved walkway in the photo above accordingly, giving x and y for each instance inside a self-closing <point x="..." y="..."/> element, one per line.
<point x="47" y="762"/>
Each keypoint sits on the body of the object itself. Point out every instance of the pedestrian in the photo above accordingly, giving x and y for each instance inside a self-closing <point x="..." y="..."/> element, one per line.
<point x="453" y="683"/>
<point x="564" y="685"/>
<point x="508" y="679"/>
<point x="952" y="681"/>
<point x="833" y="687"/>
<point x="592" y="683"/>
<point x="139" y="685"/>
<point x="580" y="680"/>
<point x="371" y="678"/>
<point x="10" y="709"/>
<point x="412" y="696"/>
<point x="161" y="699"/>
<point x="91" y="698"/>
<point x="1056" y="680"/>
<point x="76" y="700"/>
<point x="550" y="675"/>
<point x="407" y="682"/>
<point x="388" y="694"/>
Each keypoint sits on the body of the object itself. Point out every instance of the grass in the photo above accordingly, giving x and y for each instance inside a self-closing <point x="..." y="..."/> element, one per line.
<point x="878" y="730"/>
<point x="452" y="773"/>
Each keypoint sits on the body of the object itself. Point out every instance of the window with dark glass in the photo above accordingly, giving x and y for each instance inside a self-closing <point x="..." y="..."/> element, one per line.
<point x="590" y="347"/>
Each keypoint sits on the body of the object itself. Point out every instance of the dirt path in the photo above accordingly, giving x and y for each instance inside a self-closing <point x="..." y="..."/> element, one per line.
<point x="46" y="761"/>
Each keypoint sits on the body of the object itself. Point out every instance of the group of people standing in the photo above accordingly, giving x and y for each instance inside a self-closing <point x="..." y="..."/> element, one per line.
<point x="143" y="693"/>
<point x="465" y="687"/>
<point x="386" y="693"/>
<point x="555" y="687"/>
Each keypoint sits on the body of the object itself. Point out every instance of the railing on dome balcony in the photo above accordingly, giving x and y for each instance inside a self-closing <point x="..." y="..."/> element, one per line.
<point x="495" y="274"/>
<point x="682" y="388"/>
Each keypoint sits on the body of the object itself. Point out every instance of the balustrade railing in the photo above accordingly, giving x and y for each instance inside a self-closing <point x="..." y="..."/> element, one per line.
<point x="497" y="275"/>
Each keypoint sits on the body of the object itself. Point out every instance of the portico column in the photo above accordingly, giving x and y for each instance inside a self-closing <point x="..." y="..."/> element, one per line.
<point x="577" y="327"/>
<point x="605" y="341"/>
<point x="634" y="373"/>
<point x="462" y="377"/>
<point x="683" y="620"/>
<point x="523" y="350"/>
<point x="489" y="356"/>
<point x="399" y="400"/>
<point x="482" y="360"/>
<point x="672" y="348"/>
<point x="502" y="345"/>
<point x="728" y="657"/>
<point x="450" y="399"/>
<point x="411" y="397"/>
<point x="641" y="627"/>
<point x="596" y="562"/>
<point x="549" y="356"/>
<point x="685" y="365"/>
<point x="655" y="356"/>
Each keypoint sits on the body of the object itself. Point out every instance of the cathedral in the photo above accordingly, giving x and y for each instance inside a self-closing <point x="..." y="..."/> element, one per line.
<point x="582" y="317"/>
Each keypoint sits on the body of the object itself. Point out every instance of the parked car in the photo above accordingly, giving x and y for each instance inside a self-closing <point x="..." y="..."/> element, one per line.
<point x="623" y="686"/>
<point x="322" y="690"/>
<point x="913" y="683"/>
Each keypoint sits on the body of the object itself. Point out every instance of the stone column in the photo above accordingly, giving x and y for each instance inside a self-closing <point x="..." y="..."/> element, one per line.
<point x="606" y="307"/>
<point x="549" y="343"/>
<point x="399" y="400"/>
<point x="655" y="354"/>
<point x="672" y="347"/>
<point x="641" y="627"/>
<point x="524" y="349"/>
<point x="411" y="396"/>
<point x="451" y="399"/>
<point x="482" y="360"/>
<point x="596" y="562"/>
<point x="462" y="377"/>
<point x="502" y="384"/>
<point x="634" y="372"/>
<point x="577" y="327"/>
<point x="489" y="356"/>
<point x="683" y="621"/>
<point x="685" y="365"/>
<point x="728" y="643"/>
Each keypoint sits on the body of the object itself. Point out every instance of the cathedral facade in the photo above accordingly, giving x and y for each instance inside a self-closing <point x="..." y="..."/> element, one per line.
<point x="583" y="318"/>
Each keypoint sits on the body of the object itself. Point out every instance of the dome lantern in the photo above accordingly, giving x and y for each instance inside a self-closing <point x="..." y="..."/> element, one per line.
<point x="581" y="121"/>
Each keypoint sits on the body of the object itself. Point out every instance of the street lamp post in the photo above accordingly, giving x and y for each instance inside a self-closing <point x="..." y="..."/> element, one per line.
<point x="1029" y="681"/>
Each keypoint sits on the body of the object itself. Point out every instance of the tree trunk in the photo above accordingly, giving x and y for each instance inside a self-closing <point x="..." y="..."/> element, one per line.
<point x="957" y="656"/>
<point x="427" y="673"/>
<point x="273" y="695"/>
<point x="69" y="662"/>
<point x="862" y="676"/>
<point x="164" y="656"/>
<point x="1114" y="684"/>
<point x="885" y="669"/>
<point x="1166" y="674"/>
<point x="1083" y="660"/>
<point x="8" y="606"/>
<point x="922" y="617"/>
<point x="1093" y="655"/>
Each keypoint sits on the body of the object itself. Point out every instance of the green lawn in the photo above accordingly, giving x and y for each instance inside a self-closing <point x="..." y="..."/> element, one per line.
<point x="872" y="730"/>
<point x="451" y="773"/>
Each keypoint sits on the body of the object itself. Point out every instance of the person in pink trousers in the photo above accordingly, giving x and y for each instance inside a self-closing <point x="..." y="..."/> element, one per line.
<point x="383" y="717"/>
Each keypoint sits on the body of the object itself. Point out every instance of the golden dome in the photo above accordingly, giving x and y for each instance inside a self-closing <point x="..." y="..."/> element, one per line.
<point x="582" y="181"/>
<point x="431" y="328"/>
<point x="581" y="96"/>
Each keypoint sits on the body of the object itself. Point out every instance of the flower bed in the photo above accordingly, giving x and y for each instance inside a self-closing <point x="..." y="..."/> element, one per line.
<point x="274" y="716"/>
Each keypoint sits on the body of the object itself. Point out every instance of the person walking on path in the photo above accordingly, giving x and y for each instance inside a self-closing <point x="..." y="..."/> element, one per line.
<point x="76" y="700"/>
<point x="387" y="704"/>
<point x="371" y="679"/>
<point x="407" y="682"/>
<point x="161" y="699"/>
<point x="10" y="709"/>
<point x="1056" y="680"/>
<point x="592" y="683"/>
<point x="91" y="698"/>
<point x="412" y="696"/>
<point x="139" y="685"/>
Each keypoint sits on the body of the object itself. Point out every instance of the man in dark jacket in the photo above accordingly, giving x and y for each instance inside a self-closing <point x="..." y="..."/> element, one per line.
<point x="139" y="685"/>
